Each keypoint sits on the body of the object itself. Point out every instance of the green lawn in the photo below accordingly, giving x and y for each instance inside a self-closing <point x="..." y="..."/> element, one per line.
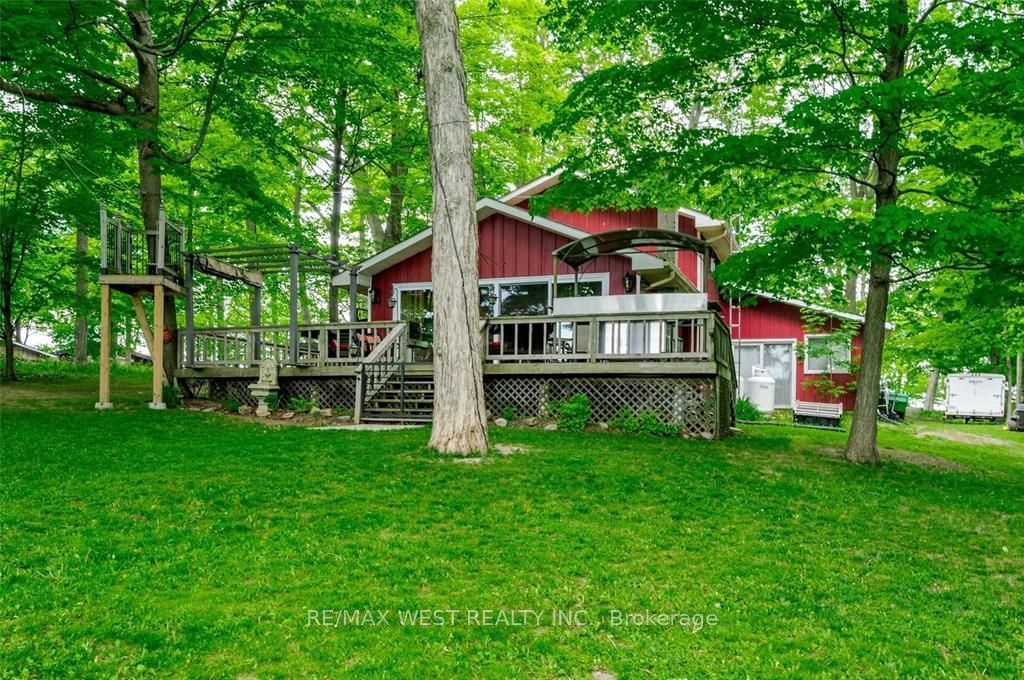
<point x="183" y="544"/>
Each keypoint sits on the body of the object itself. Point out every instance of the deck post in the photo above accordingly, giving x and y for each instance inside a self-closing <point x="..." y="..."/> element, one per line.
<point x="293" y="306"/>
<point x="118" y="232"/>
<point x="554" y="281"/>
<point x="255" y="320"/>
<point x="353" y="294"/>
<point x="103" y="240"/>
<point x="161" y="242"/>
<point x="158" y="348"/>
<point x="104" y="402"/>
<point x="707" y="270"/>
<point x="357" y="411"/>
<point x="190" y="320"/>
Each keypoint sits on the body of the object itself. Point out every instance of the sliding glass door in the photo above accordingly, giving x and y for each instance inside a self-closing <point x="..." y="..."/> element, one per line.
<point x="777" y="358"/>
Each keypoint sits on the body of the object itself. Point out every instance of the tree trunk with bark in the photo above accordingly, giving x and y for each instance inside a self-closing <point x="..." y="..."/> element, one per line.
<point x="337" y="183"/>
<point x="8" y="329"/>
<point x="933" y="387"/>
<point x="460" y="423"/>
<point x="850" y="292"/>
<point x="862" y="445"/>
<point x="81" y="294"/>
<point x="396" y="201"/>
<point x="1020" y="377"/>
<point x="146" y="123"/>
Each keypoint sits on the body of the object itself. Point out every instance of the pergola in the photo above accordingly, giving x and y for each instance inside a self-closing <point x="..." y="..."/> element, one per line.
<point x="249" y="264"/>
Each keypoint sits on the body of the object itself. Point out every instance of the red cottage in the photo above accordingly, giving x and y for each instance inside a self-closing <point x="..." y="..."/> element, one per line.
<point x="516" y="281"/>
<point x="618" y="305"/>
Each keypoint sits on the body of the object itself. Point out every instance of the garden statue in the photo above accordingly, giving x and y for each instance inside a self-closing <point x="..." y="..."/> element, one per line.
<point x="264" y="387"/>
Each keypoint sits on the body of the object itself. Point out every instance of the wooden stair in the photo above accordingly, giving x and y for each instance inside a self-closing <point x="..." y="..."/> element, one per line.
<point x="404" y="398"/>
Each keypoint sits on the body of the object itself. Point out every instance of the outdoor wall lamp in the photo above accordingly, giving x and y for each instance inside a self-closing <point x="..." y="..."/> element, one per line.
<point x="374" y="296"/>
<point x="393" y="300"/>
<point x="628" y="280"/>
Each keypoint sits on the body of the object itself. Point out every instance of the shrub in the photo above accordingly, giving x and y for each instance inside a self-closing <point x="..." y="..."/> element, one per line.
<point x="649" y="423"/>
<point x="300" y="405"/>
<point x="230" y="405"/>
<point x="646" y="423"/>
<point x="624" y="421"/>
<point x="573" y="414"/>
<point x="745" y="410"/>
<point x="272" y="400"/>
<point x="172" y="396"/>
<point x="509" y="413"/>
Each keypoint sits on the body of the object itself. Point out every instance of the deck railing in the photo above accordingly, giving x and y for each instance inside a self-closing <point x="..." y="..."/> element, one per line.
<point x="661" y="336"/>
<point x="665" y="336"/>
<point x="125" y="249"/>
<point x="320" y="345"/>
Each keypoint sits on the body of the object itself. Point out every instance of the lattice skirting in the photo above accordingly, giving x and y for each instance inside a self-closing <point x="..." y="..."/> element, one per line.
<point x="336" y="393"/>
<point x="691" y="402"/>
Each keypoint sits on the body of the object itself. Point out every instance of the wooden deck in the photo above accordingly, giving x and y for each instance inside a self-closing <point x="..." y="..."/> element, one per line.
<point x="678" y="364"/>
<point x="684" y="342"/>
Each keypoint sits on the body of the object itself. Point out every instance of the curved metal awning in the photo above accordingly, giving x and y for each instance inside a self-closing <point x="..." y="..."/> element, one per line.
<point x="579" y="252"/>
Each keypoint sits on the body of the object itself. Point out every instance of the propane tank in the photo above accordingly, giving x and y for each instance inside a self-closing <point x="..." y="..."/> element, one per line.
<point x="760" y="390"/>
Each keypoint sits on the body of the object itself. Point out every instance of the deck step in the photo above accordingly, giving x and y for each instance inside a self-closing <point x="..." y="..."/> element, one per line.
<point x="401" y="399"/>
<point x="370" y="418"/>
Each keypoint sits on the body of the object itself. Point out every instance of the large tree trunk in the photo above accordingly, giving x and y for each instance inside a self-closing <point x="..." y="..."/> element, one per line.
<point x="1020" y="377"/>
<point x="396" y="200"/>
<point x="862" y="445"/>
<point x="933" y="386"/>
<point x="338" y="140"/>
<point x="297" y="229"/>
<point x="1008" y="405"/>
<point x="147" y="121"/>
<point x="850" y="292"/>
<point x="81" y="294"/>
<point x="6" y="313"/>
<point x="460" y="422"/>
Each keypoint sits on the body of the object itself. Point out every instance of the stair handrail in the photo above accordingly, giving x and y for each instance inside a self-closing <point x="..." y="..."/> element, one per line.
<point x="386" y="346"/>
<point x="380" y="364"/>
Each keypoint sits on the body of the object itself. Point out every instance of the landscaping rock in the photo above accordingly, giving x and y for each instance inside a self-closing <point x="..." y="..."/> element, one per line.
<point x="245" y="410"/>
<point x="262" y="413"/>
<point x="500" y="422"/>
<point x="287" y="415"/>
<point x="344" y="419"/>
<point x="530" y="422"/>
<point x="602" y="675"/>
<point x="211" y="409"/>
<point x="326" y="412"/>
<point x="551" y="427"/>
<point x="314" y="411"/>
<point x="602" y="426"/>
<point x="707" y="435"/>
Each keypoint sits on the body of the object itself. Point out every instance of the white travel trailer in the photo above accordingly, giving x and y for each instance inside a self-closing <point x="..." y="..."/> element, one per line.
<point x="975" y="395"/>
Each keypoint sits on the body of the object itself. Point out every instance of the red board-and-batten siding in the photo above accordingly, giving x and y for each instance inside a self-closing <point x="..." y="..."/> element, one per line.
<point x="513" y="248"/>
<point x="508" y="248"/>
<point x="771" y="320"/>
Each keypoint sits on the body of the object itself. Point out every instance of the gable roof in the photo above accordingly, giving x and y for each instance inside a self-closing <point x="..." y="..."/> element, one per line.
<point x="485" y="207"/>
<point x="817" y="308"/>
<point x="716" y="232"/>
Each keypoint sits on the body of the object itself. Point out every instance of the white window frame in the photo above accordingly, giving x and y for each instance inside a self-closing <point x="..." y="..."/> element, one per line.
<point x="604" y="278"/>
<point x="831" y="370"/>
<point x="760" y="360"/>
